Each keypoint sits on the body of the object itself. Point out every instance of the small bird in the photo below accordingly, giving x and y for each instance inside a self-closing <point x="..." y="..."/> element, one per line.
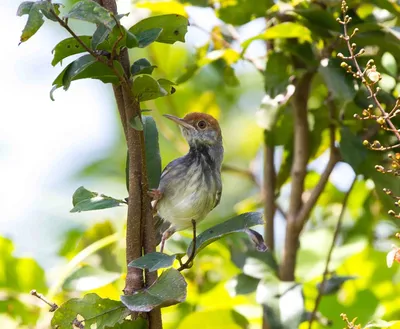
<point x="190" y="186"/>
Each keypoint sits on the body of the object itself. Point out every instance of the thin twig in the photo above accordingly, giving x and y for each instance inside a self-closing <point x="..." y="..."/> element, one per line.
<point x="269" y="194"/>
<point x="53" y="306"/>
<point x="328" y="259"/>
<point x="242" y="172"/>
<point x="361" y="75"/>
<point x="189" y="263"/>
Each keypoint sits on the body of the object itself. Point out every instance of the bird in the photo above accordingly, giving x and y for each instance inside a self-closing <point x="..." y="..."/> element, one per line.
<point x="190" y="186"/>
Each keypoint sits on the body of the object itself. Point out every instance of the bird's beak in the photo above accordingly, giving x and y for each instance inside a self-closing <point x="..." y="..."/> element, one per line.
<point x="179" y="121"/>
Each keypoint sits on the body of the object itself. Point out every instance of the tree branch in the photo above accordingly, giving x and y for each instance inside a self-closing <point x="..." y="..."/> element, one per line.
<point x="328" y="259"/>
<point x="269" y="194"/>
<point x="298" y="173"/>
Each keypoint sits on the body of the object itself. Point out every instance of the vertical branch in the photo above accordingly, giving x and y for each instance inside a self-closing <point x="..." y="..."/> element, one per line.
<point x="299" y="170"/>
<point x="269" y="193"/>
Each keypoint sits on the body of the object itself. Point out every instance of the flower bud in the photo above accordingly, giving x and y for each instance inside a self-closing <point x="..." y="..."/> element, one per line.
<point x="380" y="120"/>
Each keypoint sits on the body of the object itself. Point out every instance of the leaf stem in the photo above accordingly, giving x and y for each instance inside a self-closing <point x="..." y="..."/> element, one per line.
<point x="189" y="263"/>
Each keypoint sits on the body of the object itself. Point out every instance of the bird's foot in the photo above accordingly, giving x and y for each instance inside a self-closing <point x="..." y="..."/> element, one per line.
<point x="155" y="194"/>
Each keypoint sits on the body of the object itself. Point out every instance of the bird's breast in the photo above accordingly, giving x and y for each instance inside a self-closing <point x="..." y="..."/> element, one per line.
<point x="189" y="190"/>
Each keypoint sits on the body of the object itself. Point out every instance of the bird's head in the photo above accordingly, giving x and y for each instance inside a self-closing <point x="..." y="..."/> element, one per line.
<point x="199" y="128"/>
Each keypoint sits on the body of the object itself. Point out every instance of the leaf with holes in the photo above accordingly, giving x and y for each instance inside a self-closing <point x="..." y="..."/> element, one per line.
<point x="85" y="200"/>
<point x="239" y="223"/>
<point x="93" y="310"/>
<point x="153" y="261"/>
<point x="167" y="85"/>
<point x="91" y="11"/>
<point x="167" y="290"/>
<point x="145" y="88"/>
<point x="174" y="27"/>
<point x="69" y="47"/>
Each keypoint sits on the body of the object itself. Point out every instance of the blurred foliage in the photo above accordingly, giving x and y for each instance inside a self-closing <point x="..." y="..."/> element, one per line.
<point x="225" y="75"/>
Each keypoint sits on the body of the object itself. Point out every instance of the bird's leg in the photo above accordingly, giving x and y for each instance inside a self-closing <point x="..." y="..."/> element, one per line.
<point x="165" y="236"/>
<point x="189" y="262"/>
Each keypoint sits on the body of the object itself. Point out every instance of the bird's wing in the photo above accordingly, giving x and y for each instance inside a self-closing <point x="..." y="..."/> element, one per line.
<point x="219" y="193"/>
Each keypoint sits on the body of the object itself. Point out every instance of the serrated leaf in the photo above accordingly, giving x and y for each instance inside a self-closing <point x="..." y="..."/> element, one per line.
<point x="145" y="88"/>
<point x="153" y="261"/>
<point x="168" y="289"/>
<point x="142" y="66"/>
<point x="94" y="310"/>
<point x="147" y="37"/>
<point x="88" y="278"/>
<point x="91" y="11"/>
<point x="85" y="200"/>
<point x="136" y="123"/>
<point x="174" y="27"/>
<point x="152" y="149"/>
<point x="236" y="224"/>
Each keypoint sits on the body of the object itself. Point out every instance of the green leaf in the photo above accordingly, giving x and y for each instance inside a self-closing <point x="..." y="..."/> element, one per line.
<point x="85" y="200"/>
<point x="136" y="123"/>
<point x="153" y="261"/>
<point x="139" y="323"/>
<point x="145" y="88"/>
<point x="101" y="313"/>
<point x="147" y="37"/>
<point x="230" y="77"/>
<point x="91" y="11"/>
<point x="83" y="68"/>
<point x="190" y="70"/>
<point x="213" y="319"/>
<point x="286" y="30"/>
<point x="259" y="265"/>
<point x="101" y="34"/>
<point x="236" y="224"/>
<point x="242" y="284"/>
<point x="174" y="27"/>
<point x="167" y="85"/>
<point x="276" y="295"/>
<point x="35" y="19"/>
<point x="240" y="12"/>
<point x="333" y="284"/>
<point x="380" y="324"/>
<point x="142" y="66"/>
<point x="351" y="149"/>
<point x="389" y="63"/>
<point x="277" y="74"/>
<point x="152" y="148"/>
<point x="89" y="278"/>
<point x="168" y="289"/>
<point x="342" y="85"/>
<point x="131" y="40"/>
<point x="69" y="47"/>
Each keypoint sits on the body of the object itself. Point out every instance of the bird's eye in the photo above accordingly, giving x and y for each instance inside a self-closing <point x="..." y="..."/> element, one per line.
<point x="202" y="124"/>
